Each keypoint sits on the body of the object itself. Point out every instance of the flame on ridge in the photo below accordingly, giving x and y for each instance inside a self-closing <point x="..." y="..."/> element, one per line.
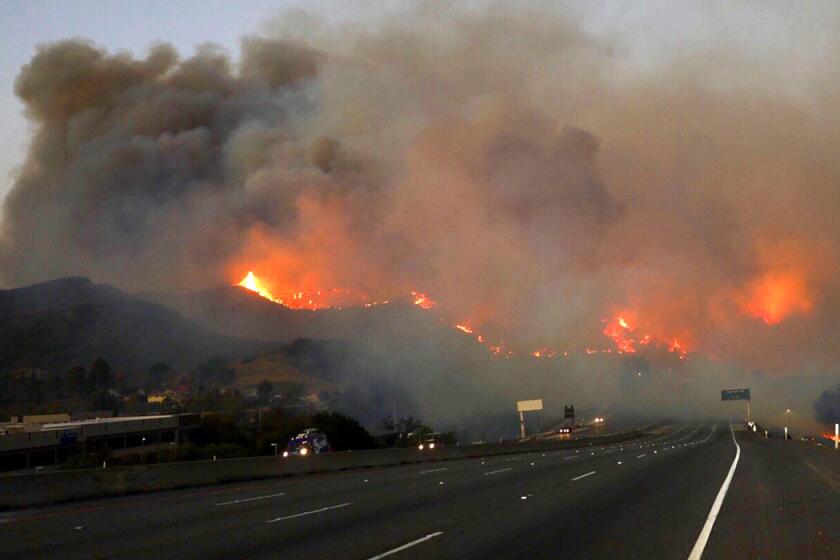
<point x="619" y="329"/>
<point x="423" y="301"/>
<point x="251" y="282"/>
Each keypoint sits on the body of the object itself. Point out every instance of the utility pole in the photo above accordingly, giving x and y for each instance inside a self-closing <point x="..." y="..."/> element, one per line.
<point x="394" y="418"/>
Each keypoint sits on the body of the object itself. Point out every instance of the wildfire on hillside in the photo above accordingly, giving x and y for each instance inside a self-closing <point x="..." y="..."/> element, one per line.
<point x="624" y="337"/>
<point x="312" y="300"/>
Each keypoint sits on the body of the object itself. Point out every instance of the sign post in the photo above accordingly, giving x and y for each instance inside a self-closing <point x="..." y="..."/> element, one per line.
<point x="737" y="395"/>
<point x="526" y="406"/>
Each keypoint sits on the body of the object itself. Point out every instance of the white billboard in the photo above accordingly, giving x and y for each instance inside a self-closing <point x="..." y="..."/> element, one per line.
<point x="526" y="406"/>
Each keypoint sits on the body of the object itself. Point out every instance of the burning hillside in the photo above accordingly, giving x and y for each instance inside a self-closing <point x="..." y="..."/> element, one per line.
<point x="487" y="165"/>
<point x="622" y="335"/>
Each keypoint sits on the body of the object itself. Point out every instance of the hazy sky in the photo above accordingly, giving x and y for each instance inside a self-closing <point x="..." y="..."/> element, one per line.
<point x="647" y="34"/>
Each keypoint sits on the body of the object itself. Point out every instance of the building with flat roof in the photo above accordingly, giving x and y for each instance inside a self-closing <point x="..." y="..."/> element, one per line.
<point x="29" y="445"/>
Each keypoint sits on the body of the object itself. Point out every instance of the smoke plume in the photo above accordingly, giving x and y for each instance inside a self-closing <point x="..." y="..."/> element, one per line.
<point x="492" y="159"/>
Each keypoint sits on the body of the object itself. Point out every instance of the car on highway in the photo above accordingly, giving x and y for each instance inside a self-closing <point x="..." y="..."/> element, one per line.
<point x="309" y="442"/>
<point x="429" y="441"/>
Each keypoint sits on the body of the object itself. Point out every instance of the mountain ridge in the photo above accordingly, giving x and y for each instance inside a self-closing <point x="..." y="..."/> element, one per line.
<point x="61" y="323"/>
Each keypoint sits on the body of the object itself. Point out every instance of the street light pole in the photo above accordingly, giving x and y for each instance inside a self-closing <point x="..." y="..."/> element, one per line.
<point x="787" y="422"/>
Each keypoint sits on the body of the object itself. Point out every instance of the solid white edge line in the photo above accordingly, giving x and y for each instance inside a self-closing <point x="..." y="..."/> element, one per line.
<point x="407" y="545"/>
<point x="697" y="551"/>
<point x="319" y="510"/>
<point x="590" y="473"/>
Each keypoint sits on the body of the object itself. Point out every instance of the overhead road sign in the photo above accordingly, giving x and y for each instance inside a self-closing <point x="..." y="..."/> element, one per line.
<point x="527" y="406"/>
<point x="735" y="395"/>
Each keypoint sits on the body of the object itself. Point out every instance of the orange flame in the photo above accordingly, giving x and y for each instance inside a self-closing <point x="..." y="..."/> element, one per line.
<point x="300" y="299"/>
<point x="423" y="301"/>
<point x="251" y="282"/>
<point x="776" y="295"/>
<point x="545" y="353"/>
<point x="674" y="346"/>
<point x="619" y="332"/>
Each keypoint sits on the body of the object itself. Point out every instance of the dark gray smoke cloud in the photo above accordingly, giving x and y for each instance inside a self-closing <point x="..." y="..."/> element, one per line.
<point x="133" y="175"/>
<point x="490" y="158"/>
<point x="827" y="407"/>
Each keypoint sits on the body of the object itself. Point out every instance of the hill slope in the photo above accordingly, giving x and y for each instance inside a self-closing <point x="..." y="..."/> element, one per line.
<point x="71" y="321"/>
<point x="236" y="311"/>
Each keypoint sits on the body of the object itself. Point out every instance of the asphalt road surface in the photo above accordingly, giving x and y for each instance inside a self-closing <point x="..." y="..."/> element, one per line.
<point x="653" y="498"/>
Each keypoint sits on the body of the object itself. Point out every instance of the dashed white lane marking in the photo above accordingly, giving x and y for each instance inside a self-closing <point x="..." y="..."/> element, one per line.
<point x="697" y="551"/>
<point x="407" y="545"/>
<point x="255" y="498"/>
<point x="572" y="457"/>
<point x="590" y="473"/>
<point x="433" y="470"/>
<point x="498" y="471"/>
<point x="319" y="510"/>
<point x="642" y="455"/>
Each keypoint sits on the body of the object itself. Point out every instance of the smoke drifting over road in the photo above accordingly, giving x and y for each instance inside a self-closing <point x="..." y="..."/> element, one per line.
<point x="491" y="159"/>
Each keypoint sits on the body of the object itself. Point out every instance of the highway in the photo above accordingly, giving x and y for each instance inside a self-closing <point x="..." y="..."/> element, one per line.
<point x="650" y="498"/>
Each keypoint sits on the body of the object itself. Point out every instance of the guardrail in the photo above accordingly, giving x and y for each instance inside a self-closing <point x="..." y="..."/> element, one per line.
<point x="33" y="489"/>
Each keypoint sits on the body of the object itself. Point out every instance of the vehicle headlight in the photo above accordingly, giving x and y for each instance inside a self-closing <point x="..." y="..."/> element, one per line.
<point x="304" y="451"/>
<point x="421" y="447"/>
<point x="431" y="446"/>
<point x="285" y="454"/>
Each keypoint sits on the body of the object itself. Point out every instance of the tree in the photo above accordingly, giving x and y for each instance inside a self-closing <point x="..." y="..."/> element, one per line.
<point x="342" y="431"/>
<point x="99" y="375"/>
<point x="213" y="372"/>
<point x="104" y="400"/>
<point x="157" y="375"/>
<point x="387" y="423"/>
<point x="74" y="382"/>
<point x="827" y="406"/>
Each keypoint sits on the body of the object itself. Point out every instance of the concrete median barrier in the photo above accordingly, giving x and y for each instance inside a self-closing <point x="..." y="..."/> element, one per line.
<point x="34" y="489"/>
